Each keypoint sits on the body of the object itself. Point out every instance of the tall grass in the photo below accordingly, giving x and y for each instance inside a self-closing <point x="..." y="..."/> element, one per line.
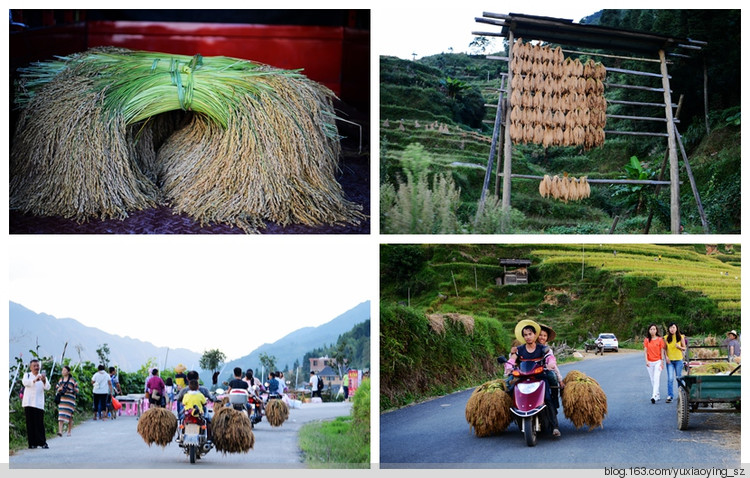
<point x="416" y="361"/>
<point x="343" y="442"/>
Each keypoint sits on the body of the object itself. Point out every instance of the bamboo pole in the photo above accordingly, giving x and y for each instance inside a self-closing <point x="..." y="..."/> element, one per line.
<point x="493" y="147"/>
<point x="674" y="170"/>
<point x="635" y="133"/>
<point x="693" y="186"/>
<point x="663" y="168"/>
<point x="508" y="150"/>
<point x="640" y="118"/>
<point x="603" y="55"/>
<point x="705" y="94"/>
<point x="648" y="182"/>
<point x="636" y="87"/>
<point x="634" y="72"/>
<point x="637" y="103"/>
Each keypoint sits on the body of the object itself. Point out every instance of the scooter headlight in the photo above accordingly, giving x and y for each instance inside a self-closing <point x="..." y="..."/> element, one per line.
<point x="527" y="388"/>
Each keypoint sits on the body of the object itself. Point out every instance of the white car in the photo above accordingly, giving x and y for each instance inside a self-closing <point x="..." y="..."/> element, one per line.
<point x="609" y="341"/>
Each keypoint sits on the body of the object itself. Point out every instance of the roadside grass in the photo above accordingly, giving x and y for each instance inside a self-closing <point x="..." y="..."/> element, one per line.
<point x="335" y="444"/>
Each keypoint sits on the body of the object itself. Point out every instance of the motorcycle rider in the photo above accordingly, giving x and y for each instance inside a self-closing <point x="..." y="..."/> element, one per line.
<point x="193" y="397"/>
<point x="192" y="375"/>
<point x="237" y="381"/>
<point x="531" y="350"/>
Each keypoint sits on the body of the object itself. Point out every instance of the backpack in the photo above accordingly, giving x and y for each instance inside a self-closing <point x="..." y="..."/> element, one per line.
<point x="320" y="383"/>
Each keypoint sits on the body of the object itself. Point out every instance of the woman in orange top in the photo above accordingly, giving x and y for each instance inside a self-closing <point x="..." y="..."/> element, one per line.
<point x="653" y="346"/>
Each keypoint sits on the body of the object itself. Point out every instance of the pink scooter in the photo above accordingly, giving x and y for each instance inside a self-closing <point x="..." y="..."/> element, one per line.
<point x="528" y="399"/>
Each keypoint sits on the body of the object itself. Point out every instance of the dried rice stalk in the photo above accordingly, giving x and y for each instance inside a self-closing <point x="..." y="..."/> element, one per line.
<point x="584" y="401"/>
<point x="157" y="425"/>
<point x="232" y="431"/>
<point x="277" y="412"/>
<point x="488" y="409"/>
<point x="704" y="353"/>
<point x="71" y="159"/>
<point x="261" y="145"/>
<point x="714" y="369"/>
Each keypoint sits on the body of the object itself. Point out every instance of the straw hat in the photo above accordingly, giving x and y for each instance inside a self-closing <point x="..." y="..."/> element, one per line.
<point x="550" y="333"/>
<point x="733" y="332"/>
<point x="524" y="323"/>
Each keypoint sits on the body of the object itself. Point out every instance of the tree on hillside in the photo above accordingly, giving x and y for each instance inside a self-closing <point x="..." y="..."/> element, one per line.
<point x="103" y="353"/>
<point x="267" y="361"/>
<point x="341" y="355"/>
<point x="212" y="360"/>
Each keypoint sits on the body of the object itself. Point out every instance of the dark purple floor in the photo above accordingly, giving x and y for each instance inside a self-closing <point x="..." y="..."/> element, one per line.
<point x="354" y="178"/>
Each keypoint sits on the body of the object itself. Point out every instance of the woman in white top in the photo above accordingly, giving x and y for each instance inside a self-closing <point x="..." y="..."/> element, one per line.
<point x="35" y="383"/>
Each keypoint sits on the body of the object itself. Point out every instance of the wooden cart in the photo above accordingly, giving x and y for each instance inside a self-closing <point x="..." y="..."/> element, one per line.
<point x="707" y="393"/>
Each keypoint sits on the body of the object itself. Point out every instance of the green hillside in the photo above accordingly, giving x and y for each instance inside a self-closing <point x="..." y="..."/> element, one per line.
<point x="576" y="289"/>
<point x="445" y="104"/>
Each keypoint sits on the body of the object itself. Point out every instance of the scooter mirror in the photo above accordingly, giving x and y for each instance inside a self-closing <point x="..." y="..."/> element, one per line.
<point x="501" y="359"/>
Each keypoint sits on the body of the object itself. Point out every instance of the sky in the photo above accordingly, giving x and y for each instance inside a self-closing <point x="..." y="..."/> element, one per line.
<point x="430" y="28"/>
<point x="154" y="288"/>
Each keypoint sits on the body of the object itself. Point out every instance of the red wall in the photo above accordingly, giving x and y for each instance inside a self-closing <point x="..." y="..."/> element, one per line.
<point x="336" y="56"/>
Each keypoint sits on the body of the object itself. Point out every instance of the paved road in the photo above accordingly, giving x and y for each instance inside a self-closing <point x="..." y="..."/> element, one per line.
<point x="635" y="434"/>
<point x="116" y="444"/>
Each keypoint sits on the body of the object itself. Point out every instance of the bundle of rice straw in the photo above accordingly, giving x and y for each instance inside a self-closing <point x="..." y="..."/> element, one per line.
<point x="157" y="425"/>
<point x="564" y="188"/>
<point x="276" y="412"/>
<point x="488" y="409"/>
<point x="251" y="143"/>
<point x="715" y="368"/>
<point x="232" y="431"/>
<point x="584" y="401"/>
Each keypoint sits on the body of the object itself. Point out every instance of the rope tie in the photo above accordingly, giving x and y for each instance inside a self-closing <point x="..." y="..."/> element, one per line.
<point x="185" y="91"/>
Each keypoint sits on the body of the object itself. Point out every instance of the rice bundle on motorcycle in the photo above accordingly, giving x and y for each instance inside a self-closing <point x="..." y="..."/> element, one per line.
<point x="583" y="400"/>
<point x="251" y="143"/>
<point x="488" y="408"/>
<point x="157" y="425"/>
<point x="276" y="412"/>
<point x="232" y="431"/>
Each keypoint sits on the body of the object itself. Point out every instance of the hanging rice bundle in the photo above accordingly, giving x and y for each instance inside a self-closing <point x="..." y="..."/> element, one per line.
<point x="260" y="143"/>
<point x="584" y="401"/>
<point x="564" y="188"/>
<point x="516" y="98"/>
<point x="516" y="114"/>
<point x="157" y="425"/>
<point x="232" y="431"/>
<point x="516" y="132"/>
<point x="488" y="408"/>
<point x="277" y="412"/>
<point x="517" y="82"/>
<point x="544" y="185"/>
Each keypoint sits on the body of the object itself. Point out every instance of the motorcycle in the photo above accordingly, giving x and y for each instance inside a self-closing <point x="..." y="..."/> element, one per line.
<point x="528" y="391"/>
<point x="244" y="400"/>
<point x="192" y="434"/>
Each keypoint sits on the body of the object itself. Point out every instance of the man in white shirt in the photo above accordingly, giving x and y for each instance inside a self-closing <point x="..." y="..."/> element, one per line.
<point x="35" y="383"/>
<point x="102" y="387"/>
<point x="314" y="384"/>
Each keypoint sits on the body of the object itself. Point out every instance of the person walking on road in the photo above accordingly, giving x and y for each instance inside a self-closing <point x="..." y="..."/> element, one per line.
<point x="314" y="384"/>
<point x="676" y="345"/>
<point x="654" y="349"/>
<point x="35" y="383"/>
<point x="102" y="389"/>
<point x="67" y="387"/>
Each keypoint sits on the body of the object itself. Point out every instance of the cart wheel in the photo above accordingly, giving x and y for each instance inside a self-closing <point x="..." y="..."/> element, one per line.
<point x="682" y="409"/>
